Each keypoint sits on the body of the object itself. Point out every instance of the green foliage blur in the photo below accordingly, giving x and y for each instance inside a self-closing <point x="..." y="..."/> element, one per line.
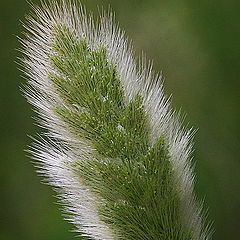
<point x="196" y="44"/>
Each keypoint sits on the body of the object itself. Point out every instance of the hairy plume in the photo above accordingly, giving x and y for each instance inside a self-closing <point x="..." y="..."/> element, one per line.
<point x="112" y="147"/>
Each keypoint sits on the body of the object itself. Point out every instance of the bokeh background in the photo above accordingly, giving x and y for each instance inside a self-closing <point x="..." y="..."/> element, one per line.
<point x="196" y="44"/>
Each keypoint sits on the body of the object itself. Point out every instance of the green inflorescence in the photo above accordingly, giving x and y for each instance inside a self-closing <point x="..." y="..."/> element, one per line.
<point x="132" y="179"/>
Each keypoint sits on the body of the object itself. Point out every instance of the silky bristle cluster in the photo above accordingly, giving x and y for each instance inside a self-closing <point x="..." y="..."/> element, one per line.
<point x="112" y="147"/>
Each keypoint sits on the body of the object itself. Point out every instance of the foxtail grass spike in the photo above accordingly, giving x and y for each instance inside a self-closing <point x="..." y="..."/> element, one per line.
<point x="112" y="147"/>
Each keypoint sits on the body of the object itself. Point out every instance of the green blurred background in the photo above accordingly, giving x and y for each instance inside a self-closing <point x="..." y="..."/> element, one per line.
<point x="196" y="44"/>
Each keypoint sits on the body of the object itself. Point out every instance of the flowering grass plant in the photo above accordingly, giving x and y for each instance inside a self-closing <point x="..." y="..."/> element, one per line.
<point x="112" y="147"/>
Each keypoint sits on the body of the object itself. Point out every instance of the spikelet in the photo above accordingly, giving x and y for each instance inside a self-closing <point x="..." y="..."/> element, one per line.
<point x="112" y="147"/>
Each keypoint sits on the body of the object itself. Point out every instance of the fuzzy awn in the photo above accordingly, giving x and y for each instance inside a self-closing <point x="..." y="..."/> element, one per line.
<point x="112" y="147"/>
